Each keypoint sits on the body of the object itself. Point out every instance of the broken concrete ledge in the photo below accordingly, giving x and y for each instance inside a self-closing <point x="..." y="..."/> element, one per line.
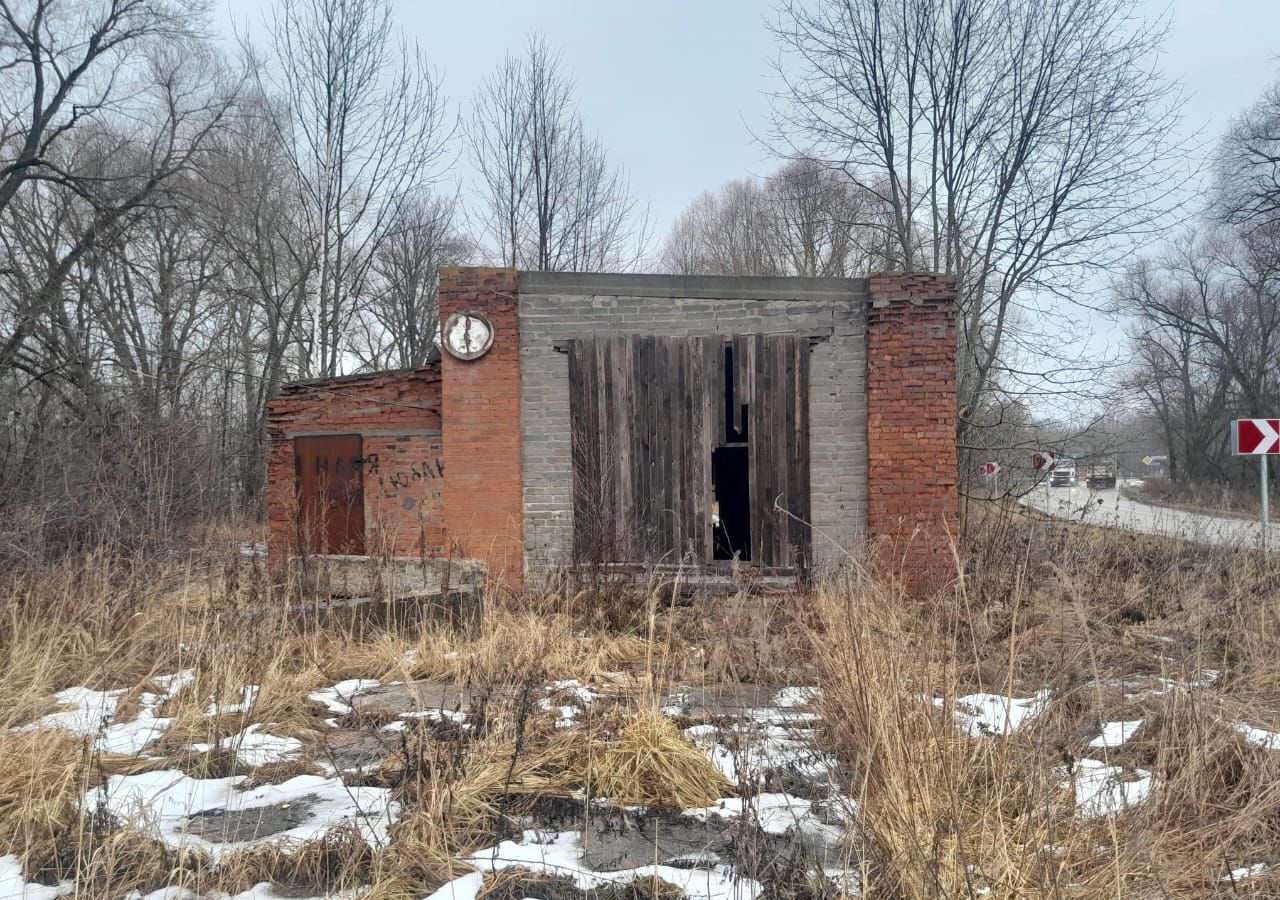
<point x="390" y="591"/>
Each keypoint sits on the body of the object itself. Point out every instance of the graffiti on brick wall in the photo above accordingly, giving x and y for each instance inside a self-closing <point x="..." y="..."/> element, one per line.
<point x="418" y="472"/>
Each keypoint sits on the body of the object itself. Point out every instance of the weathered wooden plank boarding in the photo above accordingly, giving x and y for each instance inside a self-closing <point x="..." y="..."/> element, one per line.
<point x="632" y="421"/>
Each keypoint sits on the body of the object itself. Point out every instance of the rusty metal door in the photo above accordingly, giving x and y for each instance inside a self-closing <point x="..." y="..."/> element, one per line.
<point x="330" y="493"/>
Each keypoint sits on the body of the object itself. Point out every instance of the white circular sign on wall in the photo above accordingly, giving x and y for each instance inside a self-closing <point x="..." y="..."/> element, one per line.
<point x="467" y="335"/>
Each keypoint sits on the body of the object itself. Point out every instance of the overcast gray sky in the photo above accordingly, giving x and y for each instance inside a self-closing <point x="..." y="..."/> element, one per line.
<point x="676" y="87"/>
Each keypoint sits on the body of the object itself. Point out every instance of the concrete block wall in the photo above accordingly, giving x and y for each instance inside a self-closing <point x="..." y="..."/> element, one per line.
<point x="397" y="415"/>
<point x="556" y="307"/>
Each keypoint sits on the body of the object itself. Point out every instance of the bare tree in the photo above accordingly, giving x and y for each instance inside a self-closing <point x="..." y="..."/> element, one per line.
<point x="805" y="219"/>
<point x="249" y="212"/>
<point x="726" y="233"/>
<point x="1018" y="145"/>
<point x="107" y="173"/>
<point x="553" y="200"/>
<point x="364" y="127"/>
<point x="108" y="104"/>
<point x="1206" y="339"/>
<point x="61" y="70"/>
<point x="403" y="315"/>
<point x="1247" y="192"/>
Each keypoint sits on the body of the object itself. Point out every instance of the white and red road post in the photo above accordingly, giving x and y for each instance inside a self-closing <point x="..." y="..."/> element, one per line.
<point x="1260" y="438"/>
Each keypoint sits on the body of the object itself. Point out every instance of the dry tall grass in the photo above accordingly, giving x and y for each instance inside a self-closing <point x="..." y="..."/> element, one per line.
<point x="1085" y="614"/>
<point x="1091" y="616"/>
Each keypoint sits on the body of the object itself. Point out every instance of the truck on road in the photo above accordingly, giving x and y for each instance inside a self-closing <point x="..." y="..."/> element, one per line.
<point x="1100" y="472"/>
<point x="1064" y="472"/>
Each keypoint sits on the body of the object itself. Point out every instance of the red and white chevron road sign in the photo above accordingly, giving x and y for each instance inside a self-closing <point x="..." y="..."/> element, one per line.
<point x="1255" y="437"/>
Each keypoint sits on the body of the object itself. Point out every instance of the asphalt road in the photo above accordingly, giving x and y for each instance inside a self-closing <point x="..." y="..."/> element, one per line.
<point x="1107" y="507"/>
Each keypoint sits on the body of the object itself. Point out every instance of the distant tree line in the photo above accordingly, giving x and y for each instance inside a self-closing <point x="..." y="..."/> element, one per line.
<point x="1205" y="309"/>
<point x="182" y="232"/>
<point x="183" y="228"/>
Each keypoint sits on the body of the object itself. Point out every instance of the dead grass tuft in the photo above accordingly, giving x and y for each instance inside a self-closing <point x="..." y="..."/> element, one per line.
<point x="650" y="764"/>
<point x="43" y="775"/>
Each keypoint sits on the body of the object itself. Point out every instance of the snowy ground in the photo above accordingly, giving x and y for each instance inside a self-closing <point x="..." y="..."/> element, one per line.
<point x="763" y="739"/>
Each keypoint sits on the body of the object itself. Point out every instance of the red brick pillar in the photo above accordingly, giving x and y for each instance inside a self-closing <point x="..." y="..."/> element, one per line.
<point x="483" y="488"/>
<point x="913" y="501"/>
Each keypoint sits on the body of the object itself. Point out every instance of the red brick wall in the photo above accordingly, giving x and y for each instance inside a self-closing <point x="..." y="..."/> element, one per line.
<point x="397" y="415"/>
<point x="481" y="403"/>
<point x="913" y="503"/>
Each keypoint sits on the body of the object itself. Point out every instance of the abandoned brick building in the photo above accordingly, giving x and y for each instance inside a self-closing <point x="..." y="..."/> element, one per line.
<point x="789" y="424"/>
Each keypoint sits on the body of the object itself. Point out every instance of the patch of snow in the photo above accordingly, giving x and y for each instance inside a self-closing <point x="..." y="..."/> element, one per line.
<point x="1246" y="872"/>
<point x="14" y="887"/>
<point x="171" y="684"/>
<point x="337" y="699"/>
<point x="560" y="854"/>
<point x="770" y="715"/>
<point x="774" y="813"/>
<point x="996" y="714"/>
<point x="248" y="697"/>
<point x="128" y="738"/>
<point x="92" y="712"/>
<point x="575" y="687"/>
<point x="261" y="891"/>
<point x="696" y="733"/>
<point x="679" y="705"/>
<point x="439" y="715"/>
<point x="1114" y="734"/>
<point x="1258" y="737"/>
<point x="794" y="696"/>
<point x="1208" y="678"/>
<point x="775" y="749"/>
<point x="167" y="799"/>
<point x="254" y="747"/>
<point x="1103" y="790"/>
<point x="566" y="716"/>
<point x="464" y="888"/>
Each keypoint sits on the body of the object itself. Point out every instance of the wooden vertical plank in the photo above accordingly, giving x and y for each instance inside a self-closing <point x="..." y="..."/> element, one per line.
<point x="699" y="394"/>
<point x="606" y="423"/>
<point x="679" y="445"/>
<point x="739" y="370"/>
<point x="765" y="395"/>
<point x="620" y="444"/>
<point x="668" y="377"/>
<point x="581" y="434"/>
<point x="713" y="350"/>
<point x="779" y="412"/>
<point x="773" y="366"/>
<point x="744" y="347"/>
<point x="787" y="410"/>
<point x="802" y="532"/>
<point x="640" y="462"/>
<point x="651" y="388"/>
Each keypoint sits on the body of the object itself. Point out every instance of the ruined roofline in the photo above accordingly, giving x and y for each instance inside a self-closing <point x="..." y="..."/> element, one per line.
<point x="430" y="371"/>
<point x="694" y="287"/>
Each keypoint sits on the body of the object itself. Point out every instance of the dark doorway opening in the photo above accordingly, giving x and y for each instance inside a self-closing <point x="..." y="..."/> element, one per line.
<point x="731" y="475"/>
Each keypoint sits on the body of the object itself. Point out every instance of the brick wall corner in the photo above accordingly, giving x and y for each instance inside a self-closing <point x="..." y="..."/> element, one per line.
<point x="913" y="501"/>
<point x="483" y="486"/>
